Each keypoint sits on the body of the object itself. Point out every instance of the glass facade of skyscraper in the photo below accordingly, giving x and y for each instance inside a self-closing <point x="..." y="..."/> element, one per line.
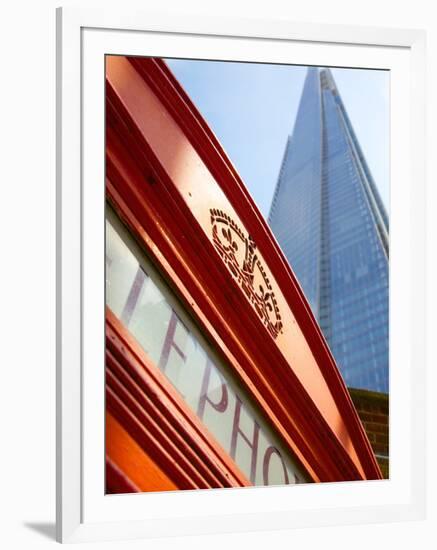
<point x="328" y="217"/>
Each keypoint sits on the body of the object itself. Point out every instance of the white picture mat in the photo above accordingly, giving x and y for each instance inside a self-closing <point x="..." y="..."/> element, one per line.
<point x="260" y="508"/>
<point x="100" y="508"/>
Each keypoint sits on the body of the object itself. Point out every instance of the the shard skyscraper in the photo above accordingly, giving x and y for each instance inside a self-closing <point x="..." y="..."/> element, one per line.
<point x="329" y="219"/>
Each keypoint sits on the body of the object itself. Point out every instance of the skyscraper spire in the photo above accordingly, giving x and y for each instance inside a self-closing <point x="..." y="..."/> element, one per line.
<point x="329" y="219"/>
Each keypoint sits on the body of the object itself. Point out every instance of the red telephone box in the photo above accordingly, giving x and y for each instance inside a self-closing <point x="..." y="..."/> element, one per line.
<point x="217" y="373"/>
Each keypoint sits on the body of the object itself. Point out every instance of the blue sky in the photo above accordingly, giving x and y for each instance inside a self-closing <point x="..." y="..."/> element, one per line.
<point x="251" y="108"/>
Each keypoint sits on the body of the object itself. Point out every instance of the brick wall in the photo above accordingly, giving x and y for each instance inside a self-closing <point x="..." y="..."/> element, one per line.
<point x="372" y="408"/>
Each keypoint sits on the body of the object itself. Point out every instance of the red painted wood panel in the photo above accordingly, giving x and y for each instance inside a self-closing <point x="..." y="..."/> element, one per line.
<point x="153" y="412"/>
<point x="129" y="468"/>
